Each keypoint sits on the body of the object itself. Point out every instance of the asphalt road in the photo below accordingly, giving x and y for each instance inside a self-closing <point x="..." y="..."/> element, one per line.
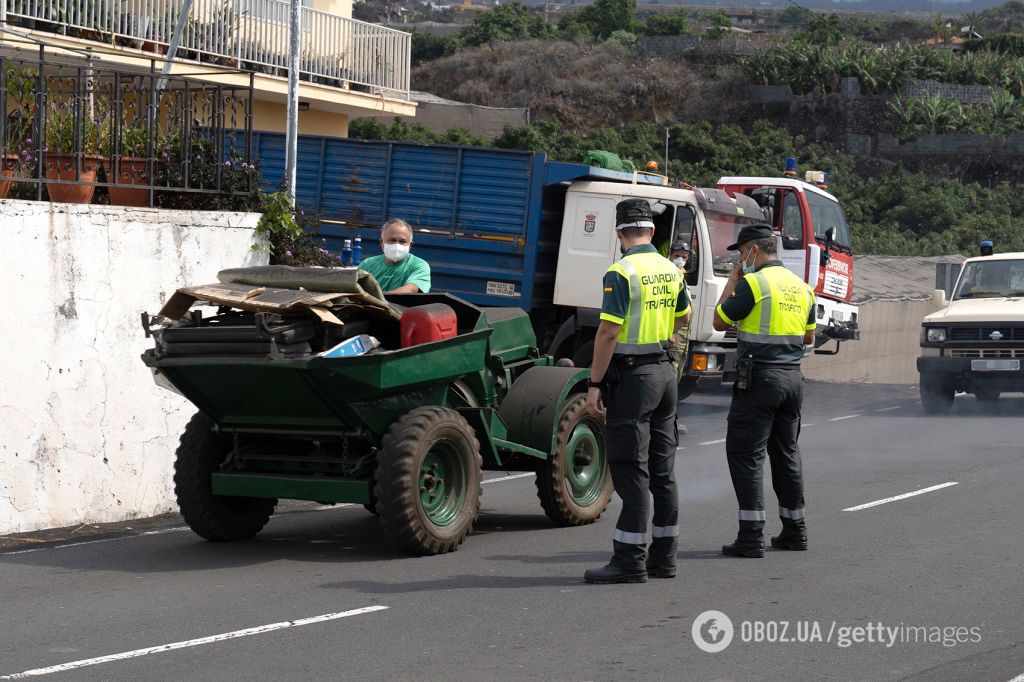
<point x="942" y="568"/>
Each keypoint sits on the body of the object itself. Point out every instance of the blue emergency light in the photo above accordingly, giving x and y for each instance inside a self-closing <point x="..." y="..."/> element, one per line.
<point x="986" y="247"/>
<point x="790" y="168"/>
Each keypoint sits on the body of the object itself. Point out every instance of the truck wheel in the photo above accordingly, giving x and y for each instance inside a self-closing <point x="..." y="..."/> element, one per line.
<point x="215" y="517"/>
<point x="936" y="395"/>
<point x="429" y="475"/>
<point x="574" y="485"/>
<point x="987" y="395"/>
<point x="687" y="385"/>
<point x="584" y="355"/>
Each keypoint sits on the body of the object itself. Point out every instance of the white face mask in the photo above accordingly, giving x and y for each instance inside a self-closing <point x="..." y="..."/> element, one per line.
<point x="396" y="252"/>
<point x="680" y="262"/>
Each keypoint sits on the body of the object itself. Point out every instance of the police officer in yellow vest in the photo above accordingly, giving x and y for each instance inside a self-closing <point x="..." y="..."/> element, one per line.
<point x="633" y="386"/>
<point x="773" y="311"/>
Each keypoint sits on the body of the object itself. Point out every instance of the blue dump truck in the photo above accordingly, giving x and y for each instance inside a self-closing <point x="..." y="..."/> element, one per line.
<point x="512" y="228"/>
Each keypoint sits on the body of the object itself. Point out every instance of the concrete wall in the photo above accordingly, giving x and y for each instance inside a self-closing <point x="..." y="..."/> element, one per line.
<point x="87" y="436"/>
<point x="887" y="351"/>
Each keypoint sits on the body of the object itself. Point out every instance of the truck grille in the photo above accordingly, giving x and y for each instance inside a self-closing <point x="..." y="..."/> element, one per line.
<point x="986" y="352"/>
<point x="984" y="334"/>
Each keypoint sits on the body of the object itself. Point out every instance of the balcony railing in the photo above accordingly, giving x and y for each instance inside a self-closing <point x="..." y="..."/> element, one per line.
<point x="241" y="34"/>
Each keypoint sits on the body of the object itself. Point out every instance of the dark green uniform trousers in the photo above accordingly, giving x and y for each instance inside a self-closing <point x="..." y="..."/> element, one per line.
<point x="766" y="418"/>
<point x="642" y="441"/>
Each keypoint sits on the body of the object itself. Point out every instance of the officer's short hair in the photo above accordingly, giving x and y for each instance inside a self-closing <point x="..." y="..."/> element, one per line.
<point x="768" y="245"/>
<point x="632" y="232"/>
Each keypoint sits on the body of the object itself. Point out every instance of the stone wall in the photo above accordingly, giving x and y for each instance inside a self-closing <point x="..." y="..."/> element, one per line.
<point x="87" y="436"/>
<point x="887" y="350"/>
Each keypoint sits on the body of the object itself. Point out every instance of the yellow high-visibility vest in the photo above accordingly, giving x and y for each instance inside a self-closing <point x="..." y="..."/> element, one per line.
<point x="654" y="287"/>
<point x="782" y="305"/>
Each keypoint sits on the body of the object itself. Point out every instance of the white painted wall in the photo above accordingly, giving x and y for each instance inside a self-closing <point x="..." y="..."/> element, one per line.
<point x="85" y="435"/>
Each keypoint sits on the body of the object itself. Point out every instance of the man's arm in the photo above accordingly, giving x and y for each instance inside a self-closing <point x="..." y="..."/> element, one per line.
<point x="604" y="348"/>
<point x="405" y="289"/>
<point x="718" y="322"/>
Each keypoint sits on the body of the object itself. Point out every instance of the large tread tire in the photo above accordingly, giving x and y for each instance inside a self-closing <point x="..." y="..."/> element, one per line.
<point x="553" y="485"/>
<point x="220" y="518"/>
<point x="406" y="445"/>
<point x="936" y="395"/>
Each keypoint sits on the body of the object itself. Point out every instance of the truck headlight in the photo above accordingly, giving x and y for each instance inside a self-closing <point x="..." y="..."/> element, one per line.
<point x="936" y="334"/>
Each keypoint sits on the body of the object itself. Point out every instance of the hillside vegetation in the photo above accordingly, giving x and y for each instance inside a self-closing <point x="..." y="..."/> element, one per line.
<point x="588" y="86"/>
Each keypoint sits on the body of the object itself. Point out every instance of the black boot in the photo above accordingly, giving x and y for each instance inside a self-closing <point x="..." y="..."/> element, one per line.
<point x="746" y="549"/>
<point x="661" y="569"/>
<point x="791" y="541"/>
<point x="607" y="575"/>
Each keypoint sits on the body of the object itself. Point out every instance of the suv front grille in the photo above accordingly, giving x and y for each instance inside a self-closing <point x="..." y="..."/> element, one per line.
<point x="986" y="352"/>
<point x="984" y="334"/>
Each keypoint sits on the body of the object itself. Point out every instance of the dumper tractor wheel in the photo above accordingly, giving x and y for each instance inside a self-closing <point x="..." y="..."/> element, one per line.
<point x="574" y="485"/>
<point x="428" y="480"/>
<point x="214" y="517"/>
<point x="936" y="394"/>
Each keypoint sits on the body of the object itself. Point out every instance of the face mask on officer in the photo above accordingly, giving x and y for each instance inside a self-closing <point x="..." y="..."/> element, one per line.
<point x="748" y="262"/>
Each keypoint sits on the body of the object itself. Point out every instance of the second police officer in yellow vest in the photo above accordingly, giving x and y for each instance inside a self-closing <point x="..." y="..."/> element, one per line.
<point x="773" y="311"/>
<point x="633" y="385"/>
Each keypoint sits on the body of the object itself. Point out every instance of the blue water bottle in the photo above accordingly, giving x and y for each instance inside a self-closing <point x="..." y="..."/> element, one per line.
<point x="346" y="252"/>
<point x="357" y="251"/>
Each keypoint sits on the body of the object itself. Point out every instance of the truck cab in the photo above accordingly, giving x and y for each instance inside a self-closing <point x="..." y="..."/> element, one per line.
<point x="976" y="342"/>
<point x="814" y="243"/>
<point x="708" y="219"/>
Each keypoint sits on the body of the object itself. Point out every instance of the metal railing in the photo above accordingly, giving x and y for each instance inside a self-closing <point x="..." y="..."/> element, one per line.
<point x="249" y="35"/>
<point x="70" y="128"/>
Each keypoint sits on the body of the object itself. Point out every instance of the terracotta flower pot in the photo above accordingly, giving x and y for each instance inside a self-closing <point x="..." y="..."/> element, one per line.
<point x="64" y="167"/>
<point x="8" y="164"/>
<point x="131" y="171"/>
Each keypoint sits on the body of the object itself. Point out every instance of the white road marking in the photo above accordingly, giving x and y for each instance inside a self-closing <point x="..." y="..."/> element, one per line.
<point x="904" y="496"/>
<point x="507" y="478"/>
<point x="329" y="507"/>
<point x="712" y="442"/>
<point x="260" y="629"/>
<point x="889" y="409"/>
<point x="839" y="419"/>
<point x="806" y="426"/>
<point x="1019" y="678"/>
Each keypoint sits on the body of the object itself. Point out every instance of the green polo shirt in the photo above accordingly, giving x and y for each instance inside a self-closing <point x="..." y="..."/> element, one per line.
<point x="410" y="270"/>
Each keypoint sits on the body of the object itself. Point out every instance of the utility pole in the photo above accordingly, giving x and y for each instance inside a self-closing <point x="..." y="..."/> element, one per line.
<point x="292" y="136"/>
<point x="666" y="151"/>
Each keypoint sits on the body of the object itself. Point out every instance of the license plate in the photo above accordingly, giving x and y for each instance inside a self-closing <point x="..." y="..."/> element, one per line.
<point x="995" y="365"/>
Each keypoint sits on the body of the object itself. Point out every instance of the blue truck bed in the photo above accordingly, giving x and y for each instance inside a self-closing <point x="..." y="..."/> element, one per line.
<point x="487" y="220"/>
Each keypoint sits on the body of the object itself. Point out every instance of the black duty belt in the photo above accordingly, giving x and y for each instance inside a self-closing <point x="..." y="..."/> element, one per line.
<point x="630" y="361"/>
<point x="773" y="365"/>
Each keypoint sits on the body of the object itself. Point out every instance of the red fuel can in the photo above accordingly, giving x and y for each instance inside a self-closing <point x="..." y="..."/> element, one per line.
<point x="426" y="323"/>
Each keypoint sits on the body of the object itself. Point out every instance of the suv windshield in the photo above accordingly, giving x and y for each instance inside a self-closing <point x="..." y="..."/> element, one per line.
<point x="991" y="279"/>
<point x="826" y="213"/>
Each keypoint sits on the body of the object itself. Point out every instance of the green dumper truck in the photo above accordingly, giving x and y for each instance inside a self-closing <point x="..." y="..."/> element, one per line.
<point x="405" y="431"/>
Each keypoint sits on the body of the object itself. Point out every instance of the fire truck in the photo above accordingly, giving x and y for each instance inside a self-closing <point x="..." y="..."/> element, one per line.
<point x="814" y="241"/>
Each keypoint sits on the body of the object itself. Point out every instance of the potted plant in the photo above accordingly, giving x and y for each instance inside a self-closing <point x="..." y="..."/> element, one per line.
<point x="17" y="154"/>
<point x="73" y="140"/>
<point x="128" y="162"/>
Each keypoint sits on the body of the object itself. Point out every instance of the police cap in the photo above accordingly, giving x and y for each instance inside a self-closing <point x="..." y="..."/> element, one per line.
<point x="633" y="213"/>
<point x="749" y="233"/>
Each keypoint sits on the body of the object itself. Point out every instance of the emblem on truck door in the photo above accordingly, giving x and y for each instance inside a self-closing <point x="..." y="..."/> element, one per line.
<point x="590" y="224"/>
